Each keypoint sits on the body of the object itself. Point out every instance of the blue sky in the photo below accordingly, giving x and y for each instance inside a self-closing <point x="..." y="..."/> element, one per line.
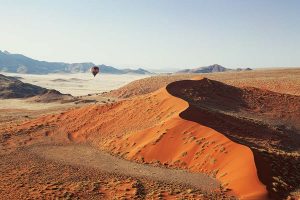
<point x="155" y="34"/>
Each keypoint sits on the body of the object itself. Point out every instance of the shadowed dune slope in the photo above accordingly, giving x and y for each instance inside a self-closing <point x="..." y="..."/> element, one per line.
<point x="265" y="121"/>
<point x="261" y="113"/>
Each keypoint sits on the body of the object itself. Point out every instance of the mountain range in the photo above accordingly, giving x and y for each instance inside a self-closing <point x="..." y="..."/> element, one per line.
<point x="211" y="69"/>
<point x="18" y="63"/>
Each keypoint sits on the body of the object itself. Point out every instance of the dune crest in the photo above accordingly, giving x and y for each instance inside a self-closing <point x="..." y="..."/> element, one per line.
<point x="177" y="142"/>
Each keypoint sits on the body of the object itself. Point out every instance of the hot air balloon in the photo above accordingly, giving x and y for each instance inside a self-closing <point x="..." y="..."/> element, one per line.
<point x="95" y="70"/>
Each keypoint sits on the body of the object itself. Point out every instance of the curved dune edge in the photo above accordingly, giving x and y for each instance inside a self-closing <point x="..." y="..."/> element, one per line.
<point x="206" y="151"/>
<point x="149" y="128"/>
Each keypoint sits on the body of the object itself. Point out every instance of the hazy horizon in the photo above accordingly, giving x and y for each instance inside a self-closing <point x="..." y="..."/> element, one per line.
<point x="155" y="35"/>
<point x="78" y="84"/>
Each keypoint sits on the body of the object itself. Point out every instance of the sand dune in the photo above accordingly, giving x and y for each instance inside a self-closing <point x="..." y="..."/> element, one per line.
<point x="202" y="126"/>
<point x="151" y="129"/>
<point x="52" y="96"/>
<point x="185" y="144"/>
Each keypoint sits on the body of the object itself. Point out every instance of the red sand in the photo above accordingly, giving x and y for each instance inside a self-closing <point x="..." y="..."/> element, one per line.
<point x="149" y="128"/>
<point x="206" y="150"/>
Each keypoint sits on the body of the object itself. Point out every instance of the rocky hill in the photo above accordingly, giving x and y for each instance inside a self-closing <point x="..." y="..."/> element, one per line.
<point x="11" y="87"/>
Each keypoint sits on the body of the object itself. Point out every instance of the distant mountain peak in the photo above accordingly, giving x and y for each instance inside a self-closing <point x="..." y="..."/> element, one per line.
<point x="210" y="69"/>
<point x="205" y="69"/>
<point x="5" y="52"/>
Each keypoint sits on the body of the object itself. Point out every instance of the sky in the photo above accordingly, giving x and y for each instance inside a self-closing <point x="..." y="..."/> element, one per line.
<point x="154" y="34"/>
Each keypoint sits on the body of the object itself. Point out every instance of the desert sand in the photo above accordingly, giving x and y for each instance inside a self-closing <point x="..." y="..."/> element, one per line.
<point x="241" y="142"/>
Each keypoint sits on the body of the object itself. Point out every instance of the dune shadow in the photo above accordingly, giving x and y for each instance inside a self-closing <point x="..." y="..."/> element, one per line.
<point x="212" y="103"/>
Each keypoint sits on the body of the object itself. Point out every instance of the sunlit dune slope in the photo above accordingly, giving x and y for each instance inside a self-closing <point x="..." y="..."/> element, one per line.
<point x="150" y="129"/>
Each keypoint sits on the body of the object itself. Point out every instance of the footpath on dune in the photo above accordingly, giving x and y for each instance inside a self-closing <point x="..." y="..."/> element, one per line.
<point x="151" y="129"/>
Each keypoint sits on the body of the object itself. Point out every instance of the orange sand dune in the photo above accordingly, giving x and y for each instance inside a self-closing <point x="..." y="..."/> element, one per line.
<point x="149" y="128"/>
<point x="186" y="144"/>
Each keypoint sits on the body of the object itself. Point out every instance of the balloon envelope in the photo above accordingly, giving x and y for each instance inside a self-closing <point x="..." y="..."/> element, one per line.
<point x="95" y="70"/>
